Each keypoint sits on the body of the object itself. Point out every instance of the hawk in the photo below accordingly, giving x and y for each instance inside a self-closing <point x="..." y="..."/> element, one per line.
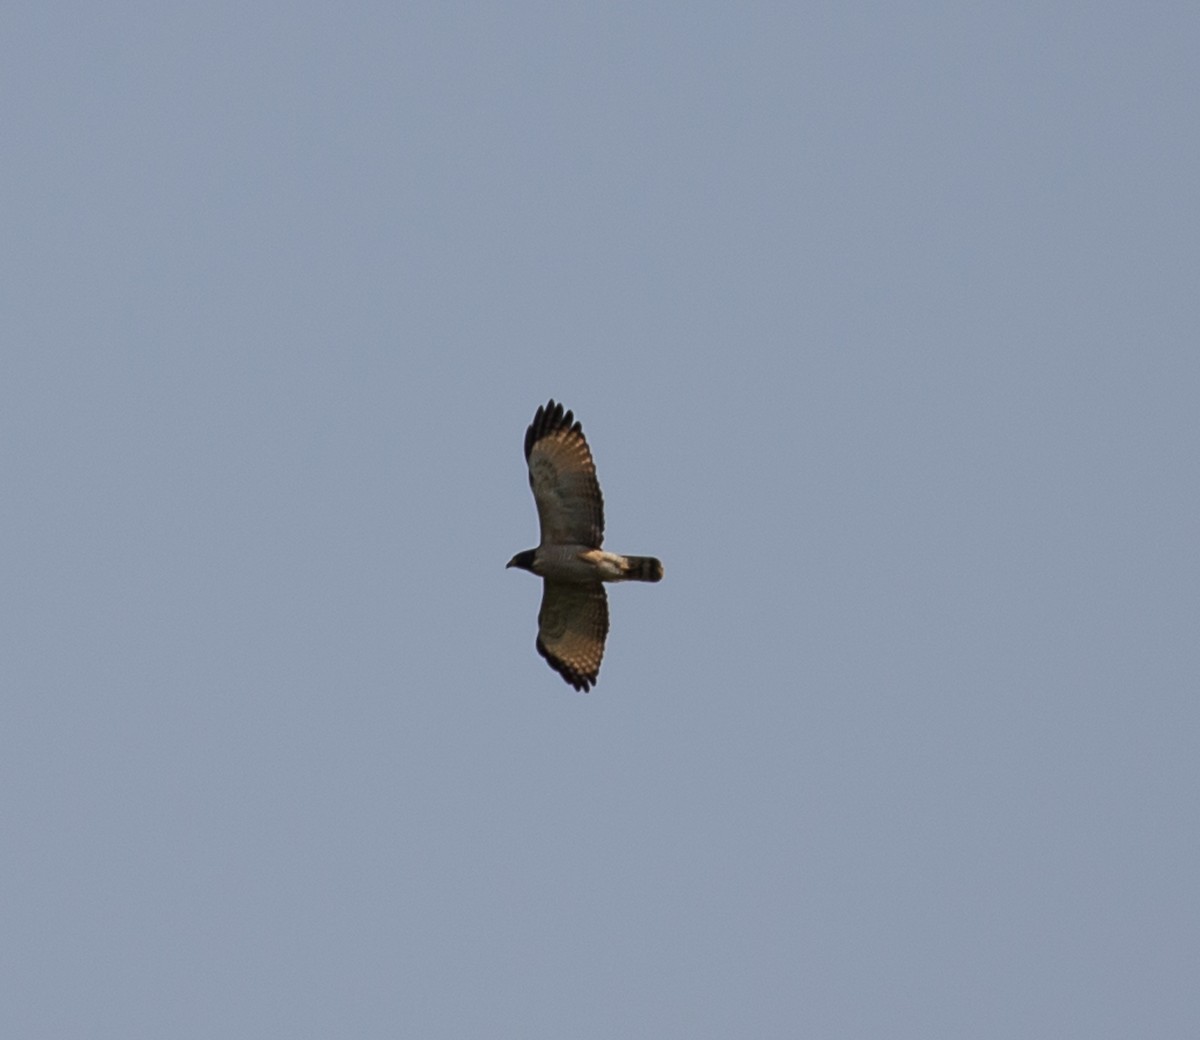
<point x="573" y="619"/>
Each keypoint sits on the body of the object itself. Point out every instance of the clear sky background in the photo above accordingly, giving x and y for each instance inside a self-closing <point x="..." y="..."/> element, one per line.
<point x="884" y="324"/>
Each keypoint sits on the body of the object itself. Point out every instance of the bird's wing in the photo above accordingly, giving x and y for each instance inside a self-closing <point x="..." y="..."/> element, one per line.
<point x="572" y="626"/>
<point x="563" y="478"/>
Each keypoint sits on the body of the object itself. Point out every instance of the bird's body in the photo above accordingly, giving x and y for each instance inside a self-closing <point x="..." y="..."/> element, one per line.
<point x="573" y="620"/>
<point x="579" y="563"/>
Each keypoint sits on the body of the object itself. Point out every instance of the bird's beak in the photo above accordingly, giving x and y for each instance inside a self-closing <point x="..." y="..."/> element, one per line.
<point x="509" y="564"/>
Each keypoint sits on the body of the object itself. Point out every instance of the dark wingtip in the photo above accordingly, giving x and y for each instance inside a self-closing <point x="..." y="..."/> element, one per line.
<point x="583" y="683"/>
<point x="549" y="418"/>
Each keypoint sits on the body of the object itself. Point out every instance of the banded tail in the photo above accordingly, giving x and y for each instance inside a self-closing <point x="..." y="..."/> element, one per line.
<point x="643" y="568"/>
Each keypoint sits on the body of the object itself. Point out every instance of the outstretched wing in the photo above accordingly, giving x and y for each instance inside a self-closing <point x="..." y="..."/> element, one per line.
<point x="572" y="626"/>
<point x="563" y="478"/>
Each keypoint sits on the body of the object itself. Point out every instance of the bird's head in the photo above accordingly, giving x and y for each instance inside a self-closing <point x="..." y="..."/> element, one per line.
<point x="523" y="560"/>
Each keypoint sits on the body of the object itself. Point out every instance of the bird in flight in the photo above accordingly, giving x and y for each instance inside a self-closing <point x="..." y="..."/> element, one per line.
<point x="573" y="619"/>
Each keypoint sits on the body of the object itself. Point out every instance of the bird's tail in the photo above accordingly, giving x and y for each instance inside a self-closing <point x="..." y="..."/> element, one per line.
<point x="643" y="568"/>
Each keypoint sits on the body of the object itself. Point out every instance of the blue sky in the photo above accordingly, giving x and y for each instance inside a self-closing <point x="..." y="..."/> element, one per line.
<point x="882" y="322"/>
